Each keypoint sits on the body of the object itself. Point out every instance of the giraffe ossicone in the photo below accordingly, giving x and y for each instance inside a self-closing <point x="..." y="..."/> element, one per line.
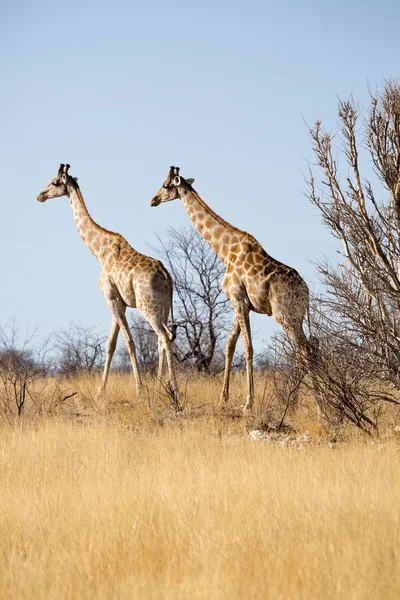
<point x="253" y="281"/>
<point x="127" y="279"/>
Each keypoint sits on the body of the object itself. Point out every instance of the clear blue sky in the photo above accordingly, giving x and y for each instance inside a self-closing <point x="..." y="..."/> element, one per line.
<point x="121" y="90"/>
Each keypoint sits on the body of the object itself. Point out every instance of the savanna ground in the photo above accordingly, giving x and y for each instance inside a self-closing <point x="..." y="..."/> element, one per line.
<point x="114" y="498"/>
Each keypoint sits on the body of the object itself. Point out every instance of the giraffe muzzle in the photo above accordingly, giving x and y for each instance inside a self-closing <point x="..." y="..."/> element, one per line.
<point x="155" y="202"/>
<point x="41" y="198"/>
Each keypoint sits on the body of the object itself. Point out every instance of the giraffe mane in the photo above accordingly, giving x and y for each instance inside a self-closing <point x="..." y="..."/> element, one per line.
<point x="118" y="235"/>
<point x="220" y="219"/>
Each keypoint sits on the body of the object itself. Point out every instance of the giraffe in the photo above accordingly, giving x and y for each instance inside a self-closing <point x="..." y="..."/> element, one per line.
<point x="253" y="280"/>
<point x="127" y="278"/>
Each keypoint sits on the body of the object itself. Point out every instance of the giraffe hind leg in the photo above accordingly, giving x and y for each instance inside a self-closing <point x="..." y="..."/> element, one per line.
<point x="243" y="317"/>
<point x="308" y="350"/>
<point x="118" y="311"/>
<point x="158" y="324"/>
<point x="161" y="356"/>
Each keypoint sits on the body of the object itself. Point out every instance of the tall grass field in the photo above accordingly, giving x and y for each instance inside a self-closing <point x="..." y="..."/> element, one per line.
<point x="119" y="498"/>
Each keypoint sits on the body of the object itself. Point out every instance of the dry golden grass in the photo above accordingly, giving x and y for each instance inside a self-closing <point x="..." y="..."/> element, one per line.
<point x="113" y="500"/>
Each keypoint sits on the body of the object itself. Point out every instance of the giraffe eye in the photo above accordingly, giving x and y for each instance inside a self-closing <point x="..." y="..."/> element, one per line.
<point x="56" y="183"/>
<point x="165" y="186"/>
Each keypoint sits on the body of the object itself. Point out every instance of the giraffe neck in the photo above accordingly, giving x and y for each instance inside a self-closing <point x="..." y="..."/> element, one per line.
<point x="91" y="233"/>
<point x="218" y="233"/>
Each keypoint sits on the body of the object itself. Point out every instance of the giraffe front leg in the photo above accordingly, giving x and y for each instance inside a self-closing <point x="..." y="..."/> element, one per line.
<point x="161" y="356"/>
<point x="118" y="311"/>
<point x="111" y="345"/>
<point x="229" y="352"/>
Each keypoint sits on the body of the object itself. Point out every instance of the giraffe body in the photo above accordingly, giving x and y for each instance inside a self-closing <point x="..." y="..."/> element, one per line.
<point x="253" y="281"/>
<point x="127" y="278"/>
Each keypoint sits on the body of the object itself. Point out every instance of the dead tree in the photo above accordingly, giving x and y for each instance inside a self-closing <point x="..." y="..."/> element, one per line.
<point x="359" y="201"/>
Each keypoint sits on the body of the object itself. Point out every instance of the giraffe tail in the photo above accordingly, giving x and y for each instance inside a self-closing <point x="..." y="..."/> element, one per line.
<point x="171" y="332"/>
<point x="174" y="326"/>
<point x="313" y="341"/>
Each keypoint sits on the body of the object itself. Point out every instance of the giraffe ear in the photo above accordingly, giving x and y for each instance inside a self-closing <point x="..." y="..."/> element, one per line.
<point x="190" y="180"/>
<point x="177" y="181"/>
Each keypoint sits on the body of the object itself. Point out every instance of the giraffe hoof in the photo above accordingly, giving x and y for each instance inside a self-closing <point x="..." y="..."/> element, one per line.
<point x="223" y="401"/>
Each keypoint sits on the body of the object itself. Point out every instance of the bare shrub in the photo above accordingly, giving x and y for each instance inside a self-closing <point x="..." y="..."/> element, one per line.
<point x="80" y="349"/>
<point x="202" y="312"/>
<point x="352" y="389"/>
<point x="26" y="386"/>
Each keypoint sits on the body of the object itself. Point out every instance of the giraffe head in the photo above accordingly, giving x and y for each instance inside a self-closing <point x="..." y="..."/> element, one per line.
<point x="58" y="186"/>
<point x="172" y="187"/>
